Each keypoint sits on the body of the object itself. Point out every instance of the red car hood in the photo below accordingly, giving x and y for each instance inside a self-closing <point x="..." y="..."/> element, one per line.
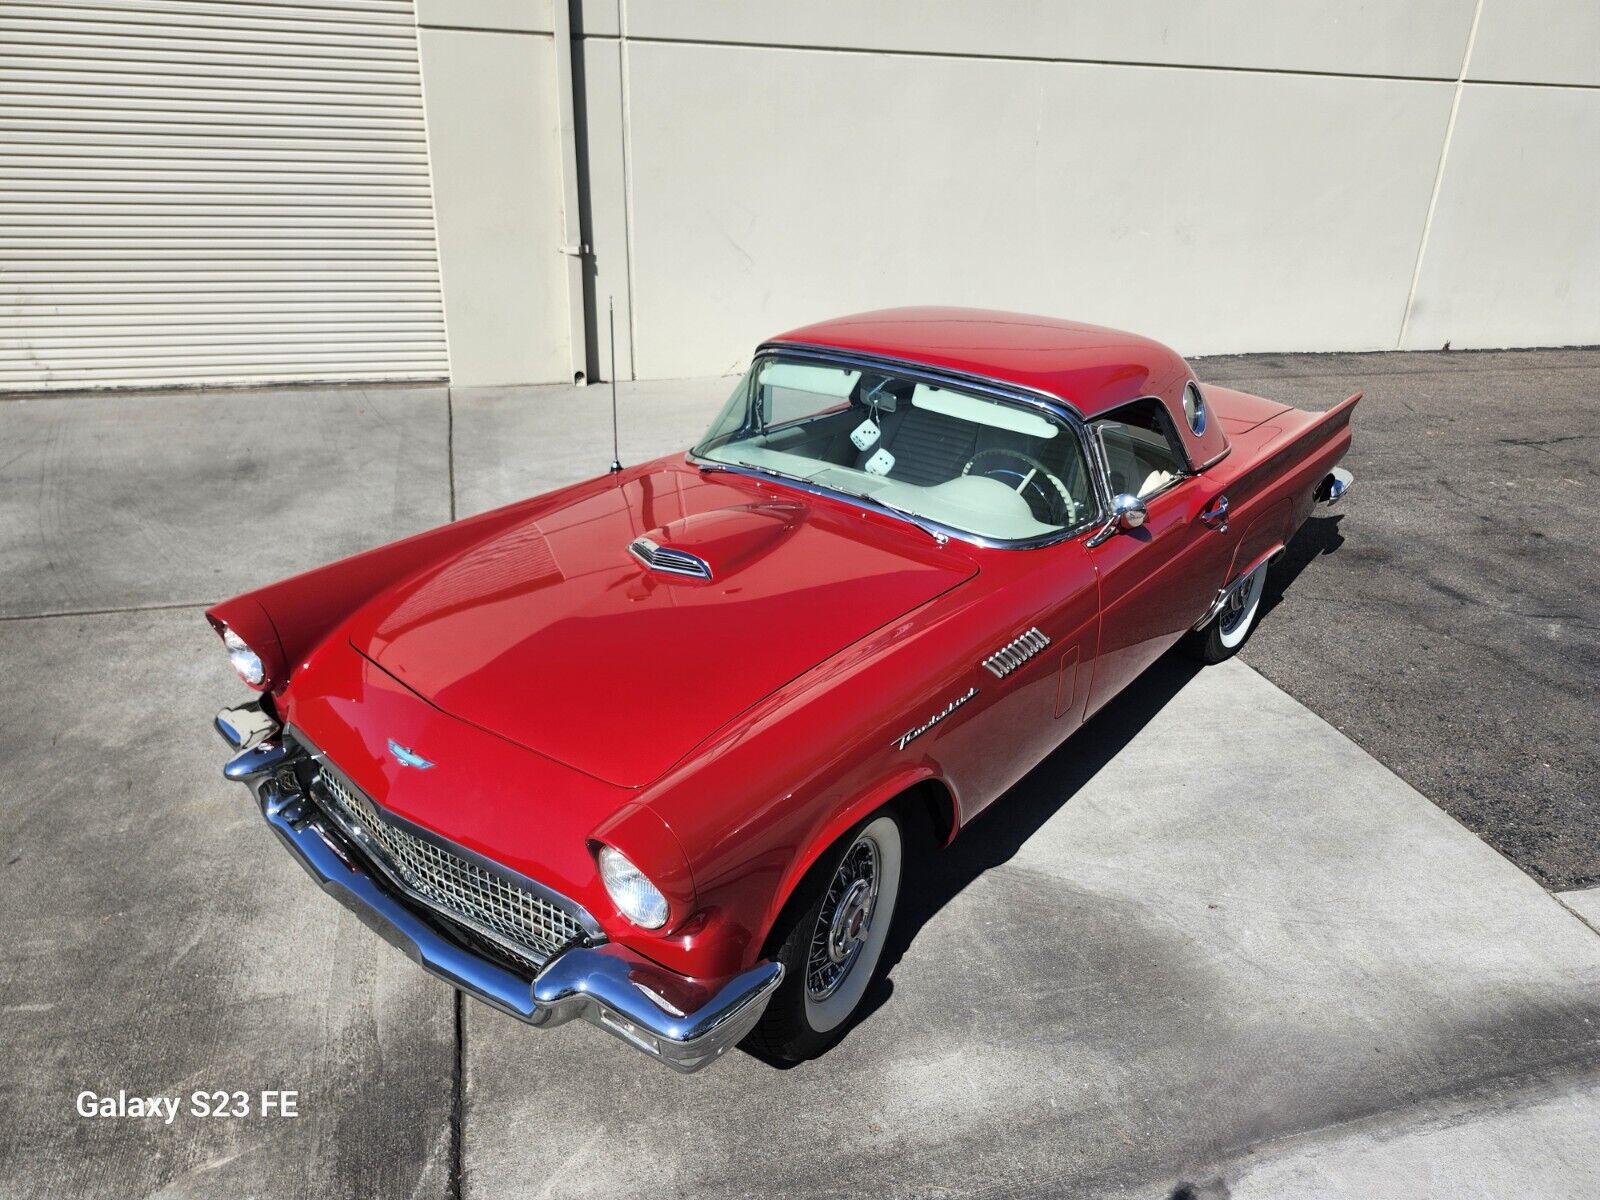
<point x="553" y="635"/>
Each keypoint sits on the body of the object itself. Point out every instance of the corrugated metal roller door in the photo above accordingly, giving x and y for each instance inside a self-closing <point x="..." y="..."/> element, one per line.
<point x="199" y="191"/>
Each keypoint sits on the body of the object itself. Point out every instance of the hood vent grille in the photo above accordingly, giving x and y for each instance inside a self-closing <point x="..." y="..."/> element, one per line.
<point x="1015" y="652"/>
<point x="669" y="561"/>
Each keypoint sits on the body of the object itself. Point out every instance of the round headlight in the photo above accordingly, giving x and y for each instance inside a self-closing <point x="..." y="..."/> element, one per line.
<point x="245" y="660"/>
<point x="639" y="899"/>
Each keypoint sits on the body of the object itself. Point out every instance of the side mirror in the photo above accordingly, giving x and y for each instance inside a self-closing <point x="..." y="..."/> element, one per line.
<point x="1127" y="512"/>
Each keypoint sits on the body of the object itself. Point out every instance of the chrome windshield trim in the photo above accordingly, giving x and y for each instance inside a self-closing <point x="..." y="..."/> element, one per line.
<point x="920" y="372"/>
<point x="1000" y="388"/>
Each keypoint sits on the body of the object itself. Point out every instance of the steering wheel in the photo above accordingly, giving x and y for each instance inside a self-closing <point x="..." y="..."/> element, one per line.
<point x="1030" y="479"/>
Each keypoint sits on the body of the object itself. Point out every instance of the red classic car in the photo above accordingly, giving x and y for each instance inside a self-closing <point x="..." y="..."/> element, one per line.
<point x="652" y="750"/>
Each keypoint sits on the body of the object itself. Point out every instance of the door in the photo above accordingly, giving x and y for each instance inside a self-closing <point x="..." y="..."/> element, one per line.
<point x="1029" y="674"/>
<point x="1158" y="580"/>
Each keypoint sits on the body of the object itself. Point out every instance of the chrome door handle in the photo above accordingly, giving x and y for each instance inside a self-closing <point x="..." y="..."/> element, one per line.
<point x="1215" y="514"/>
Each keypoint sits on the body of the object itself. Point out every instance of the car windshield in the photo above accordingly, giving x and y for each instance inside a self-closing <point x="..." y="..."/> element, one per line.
<point x="968" y="462"/>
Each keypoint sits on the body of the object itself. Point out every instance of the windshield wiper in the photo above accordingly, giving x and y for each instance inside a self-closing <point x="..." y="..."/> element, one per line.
<point x="904" y="514"/>
<point x="893" y="510"/>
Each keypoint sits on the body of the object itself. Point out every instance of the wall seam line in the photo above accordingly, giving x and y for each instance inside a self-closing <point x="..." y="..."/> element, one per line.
<point x="488" y="29"/>
<point x="960" y="56"/>
<point x="1438" y="178"/>
<point x="433" y="199"/>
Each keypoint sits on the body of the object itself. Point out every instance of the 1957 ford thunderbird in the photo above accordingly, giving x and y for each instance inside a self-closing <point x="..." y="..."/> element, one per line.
<point x="655" y="750"/>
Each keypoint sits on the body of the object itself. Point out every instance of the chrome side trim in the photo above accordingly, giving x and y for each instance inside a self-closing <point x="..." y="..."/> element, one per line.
<point x="1220" y="601"/>
<point x="1016" y="652"/>
<point x="669" y="560"/>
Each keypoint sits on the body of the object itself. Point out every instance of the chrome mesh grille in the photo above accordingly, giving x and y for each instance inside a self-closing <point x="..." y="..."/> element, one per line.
<point x="453" y="884"/>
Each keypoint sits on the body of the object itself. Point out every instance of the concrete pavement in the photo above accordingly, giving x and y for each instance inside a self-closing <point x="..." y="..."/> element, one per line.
<point x="1209" y="944"/>
<point x="158" y="940"/>
<point x="1459" y="637"/>
<point x="1503" y="1140"/>
<point x="1208" y="923"/>
<point x="123" y="501"/>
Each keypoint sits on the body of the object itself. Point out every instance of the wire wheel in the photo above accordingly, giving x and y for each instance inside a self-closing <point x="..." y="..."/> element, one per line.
<point x="1236" y="609"/>
<point x="845" y="919"/>
<point x="1239" y="611"/>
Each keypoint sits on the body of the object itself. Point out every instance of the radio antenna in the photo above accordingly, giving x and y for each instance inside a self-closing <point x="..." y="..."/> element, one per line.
<point x="616" y="457"/>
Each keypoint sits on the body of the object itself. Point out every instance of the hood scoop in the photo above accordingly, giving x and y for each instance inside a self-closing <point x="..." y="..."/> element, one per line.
<point x="550" y="635"/>
<point x="669" y="560"/>
<point x="714" y="544"/>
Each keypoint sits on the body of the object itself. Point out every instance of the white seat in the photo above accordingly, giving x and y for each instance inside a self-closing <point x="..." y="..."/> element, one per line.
<point x="1154" y="482"/>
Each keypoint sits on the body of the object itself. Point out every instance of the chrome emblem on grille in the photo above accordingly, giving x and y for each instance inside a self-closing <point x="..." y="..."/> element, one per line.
<point x="911" y="735"/>
<point x="407" y="757"/>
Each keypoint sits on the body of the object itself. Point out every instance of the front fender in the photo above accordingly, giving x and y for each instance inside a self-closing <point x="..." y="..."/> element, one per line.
<point x="286" y="620"/>
<point x="866" y="802"/>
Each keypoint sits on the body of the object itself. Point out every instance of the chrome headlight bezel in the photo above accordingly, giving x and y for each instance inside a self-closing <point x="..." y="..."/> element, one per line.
<point x="637" y="898"/>
<point x="245" y="660"/>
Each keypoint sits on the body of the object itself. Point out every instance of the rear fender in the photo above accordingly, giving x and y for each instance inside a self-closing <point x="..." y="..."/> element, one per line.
<point x="1310" y="455"/>
<point x="1281" y="477"/>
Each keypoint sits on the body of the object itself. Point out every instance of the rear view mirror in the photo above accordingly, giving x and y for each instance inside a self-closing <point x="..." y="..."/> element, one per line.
<point x="1127" y="512"/>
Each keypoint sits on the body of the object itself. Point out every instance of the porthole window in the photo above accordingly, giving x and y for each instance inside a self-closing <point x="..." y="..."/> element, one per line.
<point x="1194" y="407"/>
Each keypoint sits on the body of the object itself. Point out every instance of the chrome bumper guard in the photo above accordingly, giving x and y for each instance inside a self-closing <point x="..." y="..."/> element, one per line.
<point x="666" y="1016"/>
<point x="1333" y="487"/>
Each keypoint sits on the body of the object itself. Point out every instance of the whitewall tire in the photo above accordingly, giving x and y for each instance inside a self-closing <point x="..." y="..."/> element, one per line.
<point x="832" y="939"/>
<point x="1222" y="636"/>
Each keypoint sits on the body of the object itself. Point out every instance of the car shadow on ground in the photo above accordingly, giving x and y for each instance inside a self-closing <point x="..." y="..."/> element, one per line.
<point x="1001" y="830"/>
<point x="1317" y="538"/>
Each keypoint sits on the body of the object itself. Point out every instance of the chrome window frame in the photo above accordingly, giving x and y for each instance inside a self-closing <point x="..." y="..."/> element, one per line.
<point x="1202" y="414"/>
<point x="995" y="389"/>
<point x="1174" y="442"/>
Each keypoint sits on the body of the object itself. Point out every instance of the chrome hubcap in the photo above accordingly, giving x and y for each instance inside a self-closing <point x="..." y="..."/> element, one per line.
<point x="849" y="922"/>
<point x="1233" y="611"/>
<point x="845" y="920"/>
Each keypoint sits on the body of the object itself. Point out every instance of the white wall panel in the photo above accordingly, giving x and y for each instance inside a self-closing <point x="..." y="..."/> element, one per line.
<point x="1218" y="211"/>
<point x="1513" y="252"/>
<point x="604" y="153"/>
<point x="526" y="16"/>
<point x="1538" y="41"/>
<point x="1373" y="37"/>
<point x="493" y="135"/>
<point x="201" y="191"/>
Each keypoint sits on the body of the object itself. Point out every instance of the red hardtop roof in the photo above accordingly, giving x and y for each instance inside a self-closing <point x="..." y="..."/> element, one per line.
<point x="1091" y="368"/>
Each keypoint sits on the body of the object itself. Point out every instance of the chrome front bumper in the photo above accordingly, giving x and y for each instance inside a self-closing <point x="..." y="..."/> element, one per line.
<point x="655" y="1010"/>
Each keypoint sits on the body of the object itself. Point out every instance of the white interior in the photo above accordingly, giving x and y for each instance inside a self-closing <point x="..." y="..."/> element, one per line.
<point x="981" y="412"/>
<point x="973" y="502"/>
<point x="1137" y="454"/>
